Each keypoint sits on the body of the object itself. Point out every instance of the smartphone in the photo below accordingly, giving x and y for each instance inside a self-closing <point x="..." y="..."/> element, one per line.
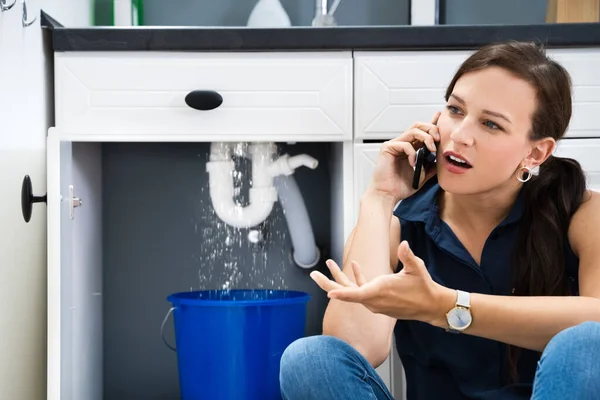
<point x="425" y="159"/>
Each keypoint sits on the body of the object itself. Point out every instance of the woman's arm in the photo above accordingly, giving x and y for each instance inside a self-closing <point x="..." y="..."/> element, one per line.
<point x="530" y="322"/>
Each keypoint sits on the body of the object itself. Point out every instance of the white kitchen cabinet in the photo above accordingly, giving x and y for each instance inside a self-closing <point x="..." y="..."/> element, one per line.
<point x="78" y="199"/>
<point x="395" y="89"/>
<point x="263" y="96"/>
<point x="104" y="97"/>
<point x="119" y="98"/>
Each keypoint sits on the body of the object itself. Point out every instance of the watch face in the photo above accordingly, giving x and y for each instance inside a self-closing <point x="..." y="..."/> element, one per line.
<point x="459" y="318"/>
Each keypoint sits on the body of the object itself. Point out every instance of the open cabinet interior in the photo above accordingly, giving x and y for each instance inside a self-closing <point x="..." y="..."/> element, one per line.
<point x="145" y="229"/>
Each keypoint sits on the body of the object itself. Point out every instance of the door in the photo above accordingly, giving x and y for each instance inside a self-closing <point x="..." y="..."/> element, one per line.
<point x="74" y="271"/>
<point x="365" y="156"/>
<point x="60" y="239"/>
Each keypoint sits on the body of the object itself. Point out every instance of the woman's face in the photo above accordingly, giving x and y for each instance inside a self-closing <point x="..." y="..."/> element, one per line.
<point x="486" y="123"/>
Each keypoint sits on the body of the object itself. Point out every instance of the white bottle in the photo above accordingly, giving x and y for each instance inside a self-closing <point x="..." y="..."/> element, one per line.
<point x="269" y="14"/>
<point x="122" y="12"/>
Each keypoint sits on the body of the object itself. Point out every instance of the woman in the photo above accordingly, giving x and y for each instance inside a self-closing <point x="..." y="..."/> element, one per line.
<point x="488" y="248"/>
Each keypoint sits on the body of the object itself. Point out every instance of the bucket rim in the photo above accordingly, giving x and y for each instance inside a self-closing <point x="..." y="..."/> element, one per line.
<point x="190" y="298"/>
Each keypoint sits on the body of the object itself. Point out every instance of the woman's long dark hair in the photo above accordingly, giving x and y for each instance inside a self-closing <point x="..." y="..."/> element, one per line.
<point x="552" y="197"/>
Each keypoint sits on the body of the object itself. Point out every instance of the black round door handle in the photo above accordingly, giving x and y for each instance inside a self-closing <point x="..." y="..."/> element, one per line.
<point x="28" y="198"/>
<point x="203" y="99"/>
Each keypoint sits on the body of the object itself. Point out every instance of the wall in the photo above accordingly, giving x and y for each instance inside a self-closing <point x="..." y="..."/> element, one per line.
<point x="236" y="12"/>
<point x="457" y="12"/>
<point x="25" y="115"/>
<point x="350" y="12"/>
<point x="161" y="236"/>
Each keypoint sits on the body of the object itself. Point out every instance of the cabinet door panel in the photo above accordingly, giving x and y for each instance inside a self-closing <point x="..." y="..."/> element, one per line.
<point x="74" y="271"/>
<point x="364" y="164"/>
<point x="60" y="270"/>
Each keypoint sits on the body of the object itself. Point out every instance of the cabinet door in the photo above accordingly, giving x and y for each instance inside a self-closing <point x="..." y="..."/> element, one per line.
<point x="587" y="152"/>
<point x="74" y="272"/>
<point x="364" y="164"/>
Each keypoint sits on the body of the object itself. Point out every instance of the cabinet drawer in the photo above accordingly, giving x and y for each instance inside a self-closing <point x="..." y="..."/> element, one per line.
<point x="395" y="89"/>
<point x="275" y="96"/>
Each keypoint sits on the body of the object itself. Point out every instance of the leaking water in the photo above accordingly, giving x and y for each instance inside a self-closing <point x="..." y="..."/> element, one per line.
<point x="225" y="257"/>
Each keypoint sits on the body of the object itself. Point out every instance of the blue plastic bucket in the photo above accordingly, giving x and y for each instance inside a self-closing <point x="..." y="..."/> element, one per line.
<point x="229" y="342"/>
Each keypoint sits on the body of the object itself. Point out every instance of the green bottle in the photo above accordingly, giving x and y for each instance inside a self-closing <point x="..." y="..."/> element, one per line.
<point x="137" y="10"/>
<point x="104" y="12"/>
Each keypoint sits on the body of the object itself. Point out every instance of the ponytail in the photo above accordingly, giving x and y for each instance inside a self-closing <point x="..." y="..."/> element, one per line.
<point x="551" y="199"/>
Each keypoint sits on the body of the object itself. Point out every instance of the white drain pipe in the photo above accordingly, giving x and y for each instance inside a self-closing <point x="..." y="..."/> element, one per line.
<point x="262" y="193"/>
<point x="306" y="254"/>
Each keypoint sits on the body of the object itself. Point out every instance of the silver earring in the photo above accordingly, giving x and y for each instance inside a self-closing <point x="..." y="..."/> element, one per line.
<point x="524" y="174"/>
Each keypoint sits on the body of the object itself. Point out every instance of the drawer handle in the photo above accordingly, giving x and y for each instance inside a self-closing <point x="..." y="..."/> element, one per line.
<point x="28" y="198"/>
<point x="203" y="100"/>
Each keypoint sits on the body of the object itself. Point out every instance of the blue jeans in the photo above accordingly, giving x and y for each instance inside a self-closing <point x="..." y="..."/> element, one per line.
<point x="327" y="368"/>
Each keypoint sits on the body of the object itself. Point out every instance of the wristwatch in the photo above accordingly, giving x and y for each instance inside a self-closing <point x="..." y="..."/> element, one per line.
<point x="459" y="318"/>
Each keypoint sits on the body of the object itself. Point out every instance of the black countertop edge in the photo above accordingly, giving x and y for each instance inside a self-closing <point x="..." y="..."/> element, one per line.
<point x="157" y="38"/>
<point x="47" y="21"/>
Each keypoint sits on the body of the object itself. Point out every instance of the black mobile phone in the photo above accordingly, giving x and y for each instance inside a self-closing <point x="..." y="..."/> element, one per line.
<point x="425" y="158"/>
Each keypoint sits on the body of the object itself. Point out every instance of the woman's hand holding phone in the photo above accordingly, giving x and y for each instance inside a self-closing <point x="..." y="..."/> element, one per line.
<point x="394" y="169"/>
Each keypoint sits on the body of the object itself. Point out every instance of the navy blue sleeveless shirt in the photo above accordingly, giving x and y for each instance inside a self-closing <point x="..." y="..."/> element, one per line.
<point x="443" y="365"/>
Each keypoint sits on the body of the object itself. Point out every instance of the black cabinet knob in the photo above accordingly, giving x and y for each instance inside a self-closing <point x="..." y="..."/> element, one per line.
<point x="203" y="100"/>
<point x="28" y="198"/>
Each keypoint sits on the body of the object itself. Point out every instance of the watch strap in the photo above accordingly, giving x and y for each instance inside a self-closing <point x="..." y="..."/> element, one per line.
<point x="463" y="299"/>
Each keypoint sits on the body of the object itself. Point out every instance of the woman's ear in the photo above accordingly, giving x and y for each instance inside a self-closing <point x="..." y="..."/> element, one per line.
<point x="541" y="150"/>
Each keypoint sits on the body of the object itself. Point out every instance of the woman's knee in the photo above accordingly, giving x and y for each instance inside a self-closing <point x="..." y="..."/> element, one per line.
<point x="306" y="354"/>
<point x="571" y="360"/>
<point x="311" y="361"/>
<point x="582" y="338"/>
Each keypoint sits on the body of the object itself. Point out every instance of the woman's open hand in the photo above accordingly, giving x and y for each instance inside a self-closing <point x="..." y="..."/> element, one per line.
<point x="410" y="294"/>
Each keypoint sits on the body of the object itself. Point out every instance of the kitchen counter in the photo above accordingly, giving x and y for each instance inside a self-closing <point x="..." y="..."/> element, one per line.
<point x="158" y="38"/>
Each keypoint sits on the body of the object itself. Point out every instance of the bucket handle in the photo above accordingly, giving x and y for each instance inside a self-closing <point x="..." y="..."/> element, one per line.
<point x="162" y="329"/>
